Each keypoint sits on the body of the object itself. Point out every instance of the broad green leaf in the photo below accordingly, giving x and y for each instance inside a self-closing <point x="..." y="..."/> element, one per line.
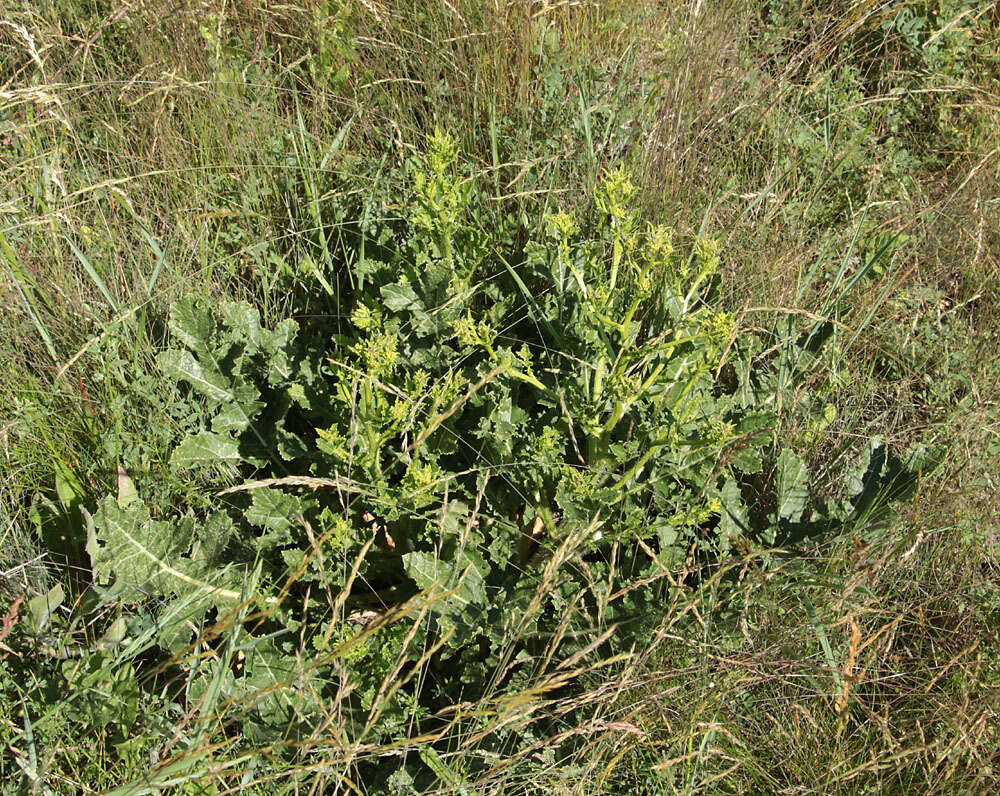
<point x="748" y="461"/>
<point x="274" y="511"/>
<point x="206" y="448"/>
<point x="213" y="537"/>
<point x="733" y="520"/>
<point x="137" y="557"/>
<point x="232" y="418"/>
<point x="755" y="423"/>
<point x="276" y="344"/>
<point x="426" y="570"/>
<point x="68" y="487"/>
<point x="43" y="606"/>
<point x="126" y="489"/>
<point x="793" y="482"/>
<point x="401" y="297"/>
<point x="244" y="322"/>
<point x="182" y="366"/>
<point x="454" y="517"/>
<point x="191" y="323"/>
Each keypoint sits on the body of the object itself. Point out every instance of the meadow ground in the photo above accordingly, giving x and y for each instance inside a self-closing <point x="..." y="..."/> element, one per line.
<point x="178" y="178"/>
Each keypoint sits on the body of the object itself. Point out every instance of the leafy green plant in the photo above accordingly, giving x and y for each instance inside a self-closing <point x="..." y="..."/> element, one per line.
<point x="286" y="590"/>
<point x="498" y="436"/>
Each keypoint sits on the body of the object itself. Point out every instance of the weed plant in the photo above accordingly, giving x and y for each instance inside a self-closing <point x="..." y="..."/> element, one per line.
<point x="634" y="434"/>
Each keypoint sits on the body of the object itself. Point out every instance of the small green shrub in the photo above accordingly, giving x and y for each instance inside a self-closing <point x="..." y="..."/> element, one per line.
<point x="487" y="440"/>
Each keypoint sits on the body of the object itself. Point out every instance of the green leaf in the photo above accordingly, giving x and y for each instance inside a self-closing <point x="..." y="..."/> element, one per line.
<point x="748" y="461"/>
<point x="232" y="418"/>
<point x="126" y="489"/>
<point x="102" y="693"/>
<point x="733" y="519"/>
<point x="191" y="323"/>
<point x="206" y="448"/>
<point x="399" y="297"/>
<point x="182" y="366"/>
<point x="756" y="423"/>
<point x="43" y="606"/>
<point x="68" y="487"/>
<point x="279" y="338"/>
<point x="426" y="570"/>
<point x="244" y="321"/>
<point x="136" y="557"/>
<point x="274" y="511"/>
<point x="793" y="482"/>
<point x="213" y="539"/>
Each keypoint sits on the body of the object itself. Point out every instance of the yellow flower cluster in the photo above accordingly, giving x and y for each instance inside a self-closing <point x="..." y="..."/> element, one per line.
<point x="379" y="353"/>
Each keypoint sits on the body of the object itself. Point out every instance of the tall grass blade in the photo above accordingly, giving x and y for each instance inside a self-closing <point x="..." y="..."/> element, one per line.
<point x="92" y="273"/>
<point x="10" y="260"/>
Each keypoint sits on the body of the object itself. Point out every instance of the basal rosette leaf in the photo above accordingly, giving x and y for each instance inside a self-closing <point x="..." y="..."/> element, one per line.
<point x="206" y="448"/>
<point x="792" y="486"/>
<point x="251" y="377"/>
<point x="134" y="557"/>
<point x="459" y="579"/>
<point x="192" y="324"/>
<point x="206" y="380"/>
